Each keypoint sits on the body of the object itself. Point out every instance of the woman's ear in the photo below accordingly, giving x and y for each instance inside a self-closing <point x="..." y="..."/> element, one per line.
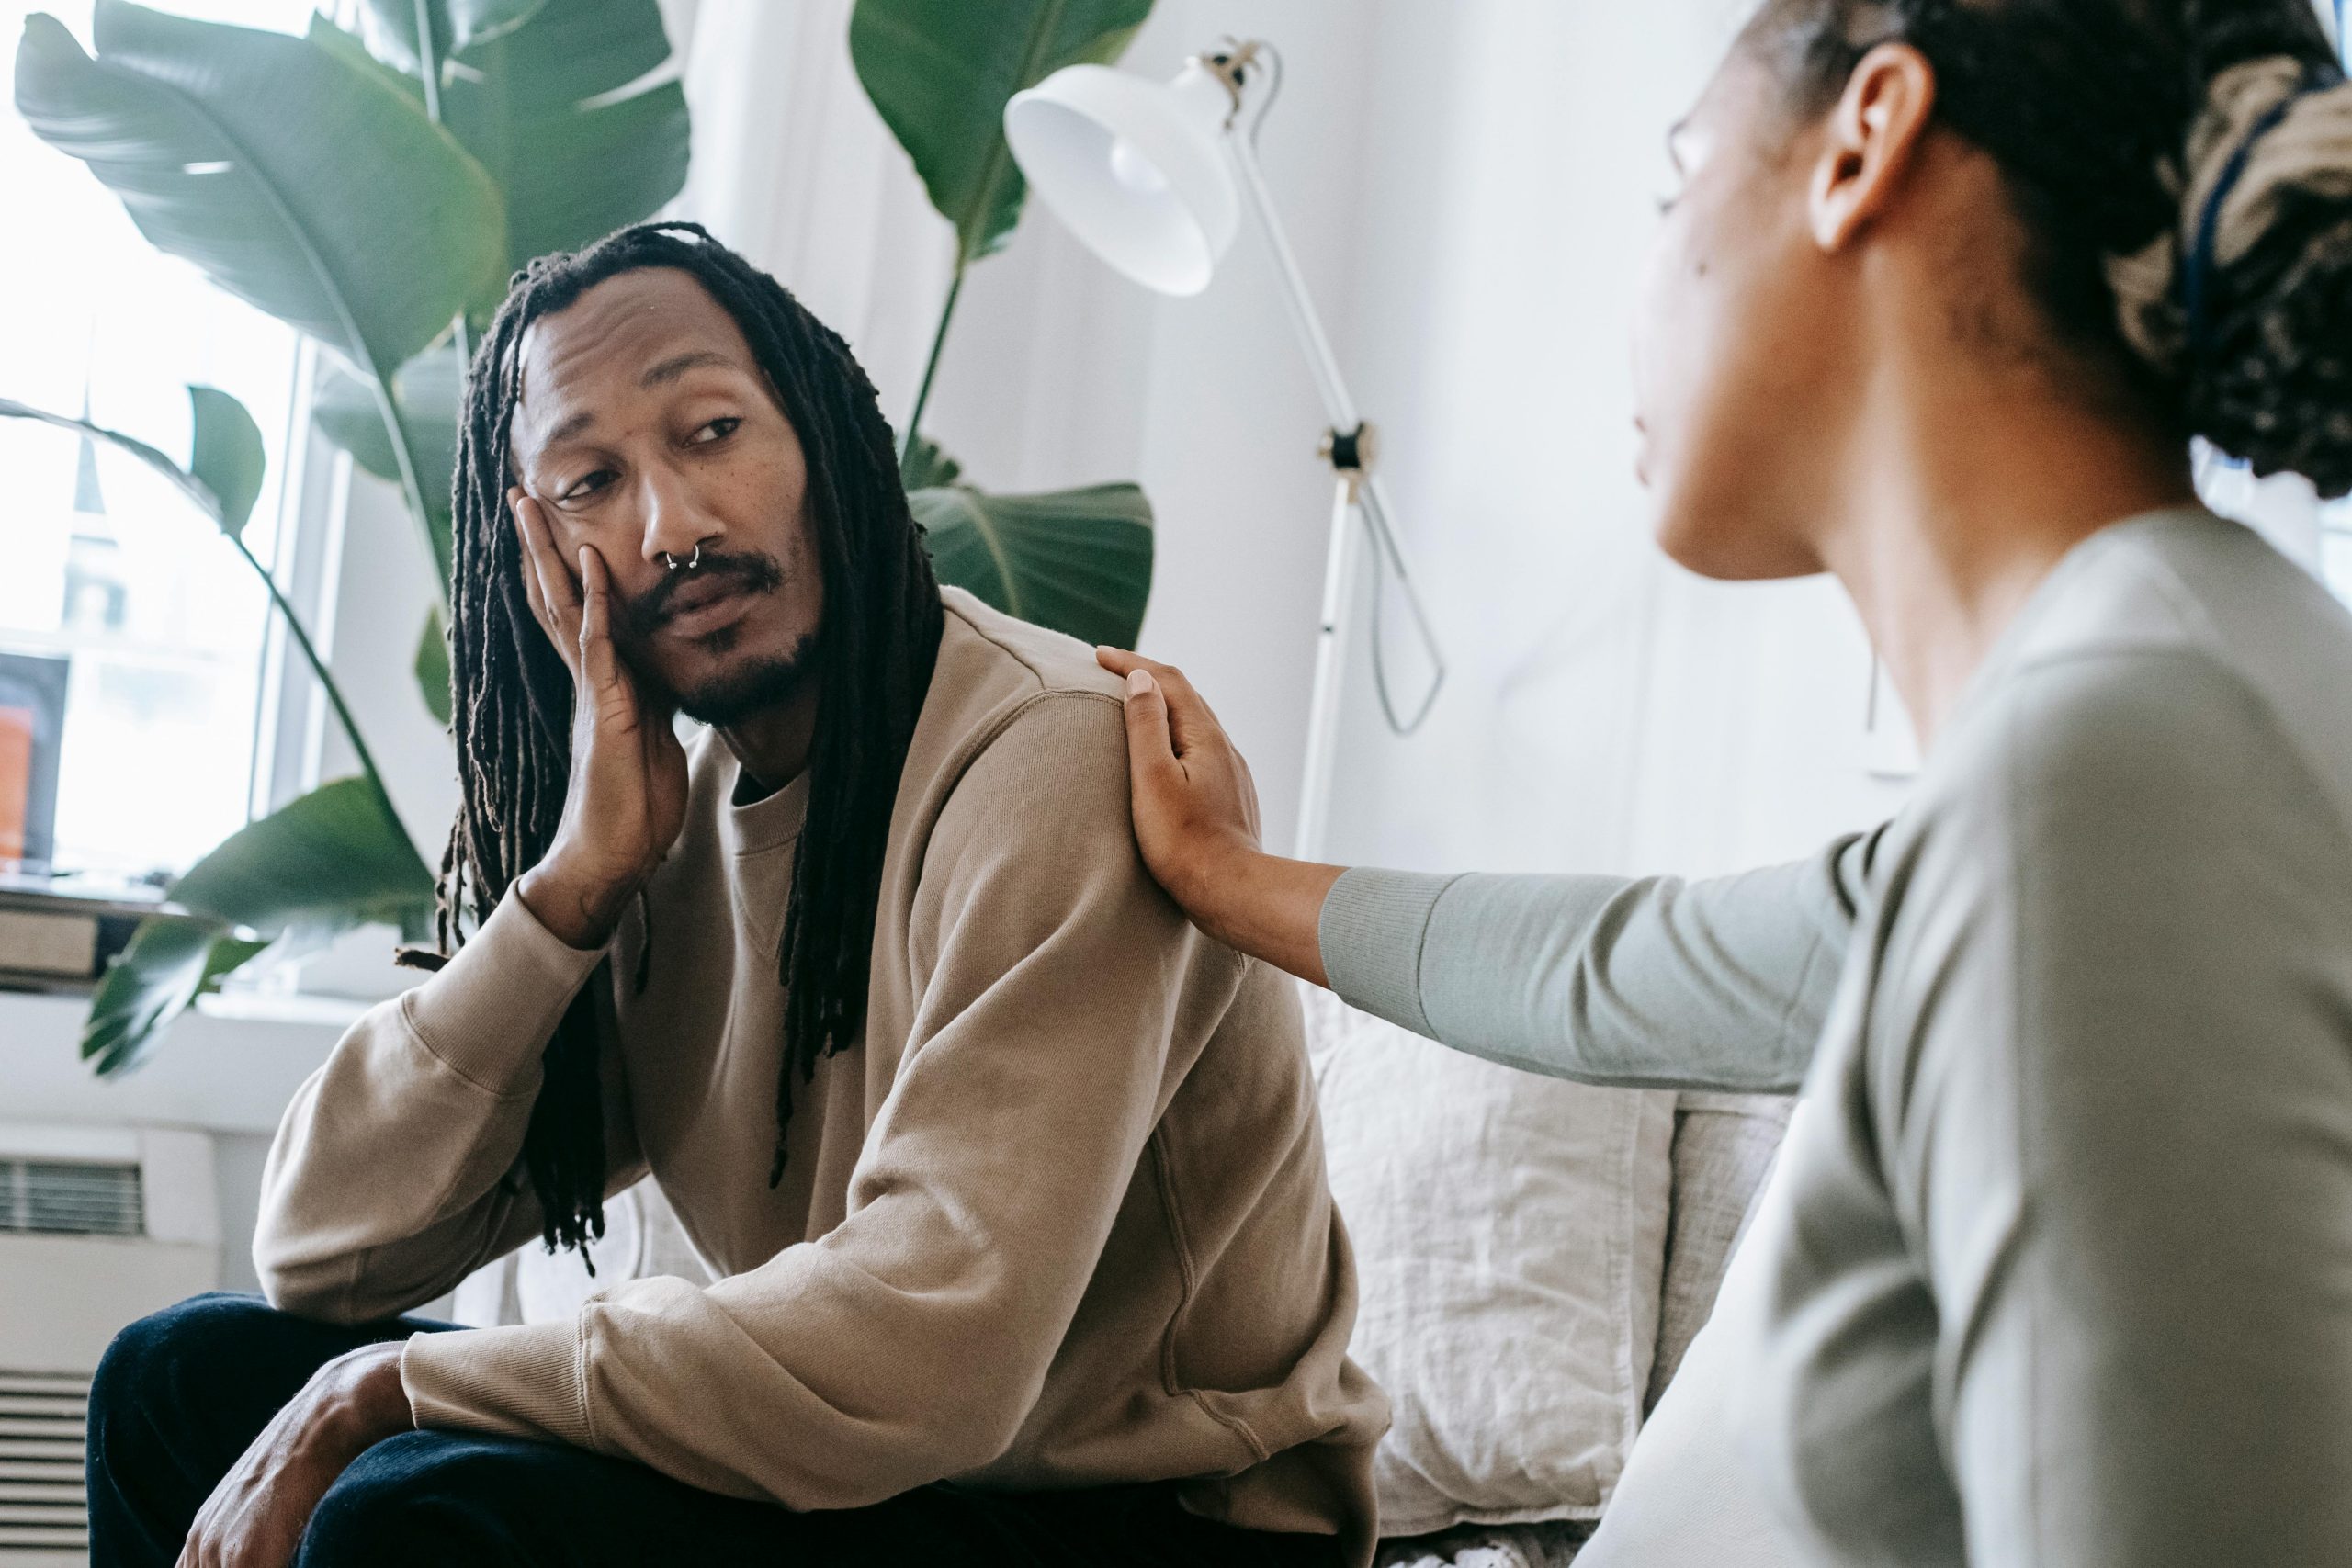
<point x="1872" y="137"/>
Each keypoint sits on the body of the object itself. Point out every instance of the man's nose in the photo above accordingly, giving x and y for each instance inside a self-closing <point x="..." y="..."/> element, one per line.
<point x="674" y="524"/>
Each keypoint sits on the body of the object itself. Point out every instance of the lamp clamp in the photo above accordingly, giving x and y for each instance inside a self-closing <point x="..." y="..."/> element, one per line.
<point x="1231" y="62"/>
<point x="1351" y="453"/>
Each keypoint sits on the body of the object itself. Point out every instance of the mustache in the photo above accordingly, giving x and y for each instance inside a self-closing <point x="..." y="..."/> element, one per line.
<point x="758" y="572"/>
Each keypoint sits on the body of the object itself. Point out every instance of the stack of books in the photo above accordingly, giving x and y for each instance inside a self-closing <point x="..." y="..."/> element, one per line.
<point x="57" y="932"/>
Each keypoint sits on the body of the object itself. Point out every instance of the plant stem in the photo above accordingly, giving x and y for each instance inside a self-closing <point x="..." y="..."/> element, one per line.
<point x="319" y="668"/>
<point x="412" y="487"/>
<point x="428" y="66"/>
<point x="931" y="366"/>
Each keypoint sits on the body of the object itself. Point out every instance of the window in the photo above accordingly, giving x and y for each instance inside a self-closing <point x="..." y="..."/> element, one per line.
<point x="159" y="629"/>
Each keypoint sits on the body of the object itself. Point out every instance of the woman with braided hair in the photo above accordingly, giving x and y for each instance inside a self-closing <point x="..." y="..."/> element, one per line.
<point x="2055" y="1268"/>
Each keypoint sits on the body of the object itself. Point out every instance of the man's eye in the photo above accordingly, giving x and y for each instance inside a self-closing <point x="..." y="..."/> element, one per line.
<point x="717" y="430"/>
<point x="588" y="484"/>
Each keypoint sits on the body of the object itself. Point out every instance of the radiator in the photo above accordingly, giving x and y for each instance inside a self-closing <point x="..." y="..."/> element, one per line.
<point x="98" y="1226"/>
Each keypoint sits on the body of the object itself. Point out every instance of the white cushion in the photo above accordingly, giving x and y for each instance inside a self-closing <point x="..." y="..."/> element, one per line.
<point x="1691" y="1497"/>
<point x="1510" y="1233"/>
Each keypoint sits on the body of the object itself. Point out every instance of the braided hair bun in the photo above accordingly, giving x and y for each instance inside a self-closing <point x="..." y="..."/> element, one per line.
<point x="2261" y="318"/>
<point x="2183" y="170"/>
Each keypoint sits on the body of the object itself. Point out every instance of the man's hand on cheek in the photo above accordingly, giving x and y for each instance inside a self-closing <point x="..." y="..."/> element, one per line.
<point x="255" y="1519"/>
<point x="626" y="801"/>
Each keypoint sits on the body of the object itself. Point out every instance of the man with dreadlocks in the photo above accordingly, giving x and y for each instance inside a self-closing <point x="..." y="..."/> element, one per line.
<point x="1012" y="1180"/>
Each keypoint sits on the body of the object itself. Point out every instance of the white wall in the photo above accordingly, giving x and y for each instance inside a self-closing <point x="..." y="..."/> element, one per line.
<point x="1469" y="188"/>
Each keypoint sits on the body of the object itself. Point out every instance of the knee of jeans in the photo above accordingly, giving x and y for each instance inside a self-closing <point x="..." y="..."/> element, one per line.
<point x="202" y="1331"/>
<point x="418" y="1497"/>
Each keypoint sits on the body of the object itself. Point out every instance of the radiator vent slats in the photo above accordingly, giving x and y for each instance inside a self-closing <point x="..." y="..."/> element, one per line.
<point x="57" y="1197"/>
<point x="42" y="1507"/>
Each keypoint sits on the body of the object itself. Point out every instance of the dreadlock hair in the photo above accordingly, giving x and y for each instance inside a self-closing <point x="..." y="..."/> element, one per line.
<point x="511" y="696"/>
<point x="2178" y="168"/>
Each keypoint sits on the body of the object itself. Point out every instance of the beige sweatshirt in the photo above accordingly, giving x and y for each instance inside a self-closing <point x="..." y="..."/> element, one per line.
<point x="1061" y="1220"/>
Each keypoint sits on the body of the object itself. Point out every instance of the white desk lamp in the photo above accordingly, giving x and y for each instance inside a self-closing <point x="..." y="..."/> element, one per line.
<point x="1144" y="173"/>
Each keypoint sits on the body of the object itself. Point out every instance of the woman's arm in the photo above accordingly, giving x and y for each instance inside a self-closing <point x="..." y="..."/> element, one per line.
<point x="1721" y="983"/>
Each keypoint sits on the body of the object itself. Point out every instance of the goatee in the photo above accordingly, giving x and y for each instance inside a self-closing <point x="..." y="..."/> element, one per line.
<point x="757" y="686"/>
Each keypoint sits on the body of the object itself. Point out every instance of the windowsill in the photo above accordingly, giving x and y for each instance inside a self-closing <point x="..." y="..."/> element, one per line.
<point x="337" y="1013"/>
<point x="230" y="1066"/>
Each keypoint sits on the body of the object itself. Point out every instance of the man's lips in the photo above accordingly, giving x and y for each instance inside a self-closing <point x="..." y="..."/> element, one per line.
<point x="703" y="608"/>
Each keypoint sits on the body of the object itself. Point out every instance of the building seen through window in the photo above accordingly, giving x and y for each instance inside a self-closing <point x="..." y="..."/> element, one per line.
<point x="117" y="592"/>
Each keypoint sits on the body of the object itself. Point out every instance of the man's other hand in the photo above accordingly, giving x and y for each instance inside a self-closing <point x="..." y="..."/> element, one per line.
<point x="255" y="1519"/>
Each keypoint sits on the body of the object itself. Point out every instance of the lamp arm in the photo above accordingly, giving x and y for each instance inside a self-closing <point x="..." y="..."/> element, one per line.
<point x="1324" y="366"/>
<point x="1320" y="362"/>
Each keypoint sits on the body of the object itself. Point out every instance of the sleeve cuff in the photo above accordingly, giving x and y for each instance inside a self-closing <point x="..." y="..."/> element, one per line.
<point x="523" y="1381"/>
<point x="490" y="1012"/>
<point x="1371" y="932"/>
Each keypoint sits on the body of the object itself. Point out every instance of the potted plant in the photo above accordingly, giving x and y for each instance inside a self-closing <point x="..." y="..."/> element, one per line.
<point x="375" y="190"/>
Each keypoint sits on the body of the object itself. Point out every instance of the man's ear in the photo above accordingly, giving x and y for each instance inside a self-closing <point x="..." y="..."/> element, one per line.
<point x="1873" y="137"/>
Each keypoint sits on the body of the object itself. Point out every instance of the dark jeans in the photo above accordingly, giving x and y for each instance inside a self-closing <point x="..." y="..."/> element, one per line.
<point x="180" y="1395"/>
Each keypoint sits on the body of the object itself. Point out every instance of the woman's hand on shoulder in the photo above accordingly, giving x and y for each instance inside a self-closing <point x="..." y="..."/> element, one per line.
<point x="1196" y="809"/>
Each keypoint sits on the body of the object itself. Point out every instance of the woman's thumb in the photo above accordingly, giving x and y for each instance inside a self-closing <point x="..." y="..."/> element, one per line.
<point x="1149" y="746"/>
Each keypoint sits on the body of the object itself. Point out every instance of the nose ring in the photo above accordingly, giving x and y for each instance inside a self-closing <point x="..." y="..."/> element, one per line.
<point x="672" y="563"/>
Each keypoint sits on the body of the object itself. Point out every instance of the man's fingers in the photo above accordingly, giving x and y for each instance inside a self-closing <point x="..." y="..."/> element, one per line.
<point x="599" y="666"/>
<point x="555" y="602"/>
<point x="530" y="546"/>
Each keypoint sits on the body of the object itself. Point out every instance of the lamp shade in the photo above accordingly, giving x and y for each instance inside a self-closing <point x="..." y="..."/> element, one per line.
<point x="1134" y="168"/>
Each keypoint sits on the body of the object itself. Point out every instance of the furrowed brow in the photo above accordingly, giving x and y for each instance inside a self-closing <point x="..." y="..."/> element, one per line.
<point x="571" y="425"/>
<point x="677" y="364"/>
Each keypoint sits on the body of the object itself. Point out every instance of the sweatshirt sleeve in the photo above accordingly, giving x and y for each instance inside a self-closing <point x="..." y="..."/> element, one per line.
<point x="2110" y="1091"/>
<point x="1060" y="994"/>
<point x="389" y="1178"/>
<point x="1652" y="983"/>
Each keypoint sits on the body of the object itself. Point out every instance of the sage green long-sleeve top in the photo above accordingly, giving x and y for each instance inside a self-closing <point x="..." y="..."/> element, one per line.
<point x="2057" y="1267"/>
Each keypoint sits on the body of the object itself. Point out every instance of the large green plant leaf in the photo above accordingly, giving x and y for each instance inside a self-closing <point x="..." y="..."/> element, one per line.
<point x="324" y="863"/>
<point x="425" y="391"/>
<point x="170" y="960"/>
<point x="1075" y="561"/>
<point x="925" y="465"/>
<point x="336" y="857"/>
<point x="455" y="24"/>
<point x="940" y="72"/>
<point x="227" y="455"/>
<point x="294" y="179"/>
<point x="545" y="109"/>
<point x="432" y="667"/>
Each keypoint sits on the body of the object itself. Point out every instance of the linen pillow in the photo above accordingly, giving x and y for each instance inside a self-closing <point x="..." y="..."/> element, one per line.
<point x="1692" y="1497"/>
<point x="1510" y="1234"/>
<point x="1722" y="1146"/>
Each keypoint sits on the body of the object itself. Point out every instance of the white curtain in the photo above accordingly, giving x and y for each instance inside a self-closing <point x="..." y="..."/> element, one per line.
<point x="793" y="167"/>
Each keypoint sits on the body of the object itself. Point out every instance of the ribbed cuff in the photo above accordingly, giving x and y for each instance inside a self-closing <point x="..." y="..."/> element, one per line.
<point x="1370" y="931"/>
<point x="523" y="1381"/>
<point x="488" y="1013"/>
